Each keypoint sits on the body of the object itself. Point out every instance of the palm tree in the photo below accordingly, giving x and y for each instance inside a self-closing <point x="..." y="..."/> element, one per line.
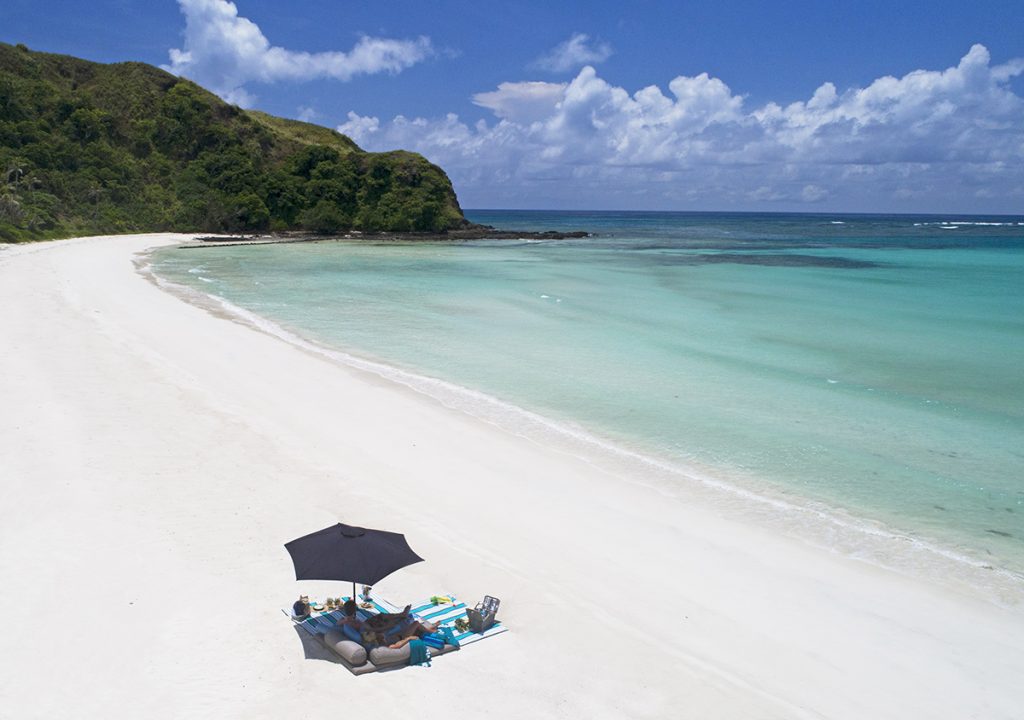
<point x="14" y="174"/>
<point x="95" y="193"/>
<point x="10" y="208"/>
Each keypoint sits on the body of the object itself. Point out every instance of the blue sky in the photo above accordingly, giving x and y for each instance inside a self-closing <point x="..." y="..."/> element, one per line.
<point x="813" y="106"/>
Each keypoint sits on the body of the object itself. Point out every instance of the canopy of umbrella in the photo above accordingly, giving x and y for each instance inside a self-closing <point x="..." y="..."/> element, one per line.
<point x="349" y="553"/>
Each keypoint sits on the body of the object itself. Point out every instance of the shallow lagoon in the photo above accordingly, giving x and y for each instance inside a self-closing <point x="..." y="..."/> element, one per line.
<point x="872" y="363"/>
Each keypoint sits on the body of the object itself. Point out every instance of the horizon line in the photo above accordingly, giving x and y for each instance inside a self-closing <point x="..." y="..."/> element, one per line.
<point x="751" y="212"/>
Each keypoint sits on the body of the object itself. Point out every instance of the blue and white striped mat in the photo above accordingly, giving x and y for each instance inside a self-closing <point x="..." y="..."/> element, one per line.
<point x="319" y="622"/>
<point x="445" y="614"/>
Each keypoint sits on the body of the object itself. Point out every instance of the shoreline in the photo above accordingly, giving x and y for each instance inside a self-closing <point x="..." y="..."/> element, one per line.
<point x="159" y="457"/>
<point x="743" y="497"/>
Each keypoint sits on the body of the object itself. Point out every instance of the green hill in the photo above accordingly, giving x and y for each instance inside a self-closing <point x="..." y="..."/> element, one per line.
<point x="87" y="148"/>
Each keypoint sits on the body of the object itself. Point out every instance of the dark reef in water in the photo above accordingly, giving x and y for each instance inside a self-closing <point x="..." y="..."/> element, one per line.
<point x="469" y="231"/>
<point x="472" y="231"/>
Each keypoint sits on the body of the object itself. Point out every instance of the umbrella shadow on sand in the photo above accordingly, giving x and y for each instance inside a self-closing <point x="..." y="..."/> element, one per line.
<point x="312" y="649"/>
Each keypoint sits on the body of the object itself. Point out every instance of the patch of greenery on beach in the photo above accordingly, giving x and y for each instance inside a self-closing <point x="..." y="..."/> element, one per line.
<point x="87" y="148"/>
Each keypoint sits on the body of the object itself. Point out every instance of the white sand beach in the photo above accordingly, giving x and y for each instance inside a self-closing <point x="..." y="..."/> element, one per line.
<point x="155" y="456"/>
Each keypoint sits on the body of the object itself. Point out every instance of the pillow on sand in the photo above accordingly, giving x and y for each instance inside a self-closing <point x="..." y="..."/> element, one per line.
<point x="353" y="653"/>
<point x="386" y="656"/>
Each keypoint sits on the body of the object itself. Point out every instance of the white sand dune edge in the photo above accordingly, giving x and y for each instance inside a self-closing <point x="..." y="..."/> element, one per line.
<point x="154" y="458"/>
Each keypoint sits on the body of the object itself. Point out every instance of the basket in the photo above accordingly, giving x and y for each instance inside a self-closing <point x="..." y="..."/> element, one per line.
<point x="481" y="618"/>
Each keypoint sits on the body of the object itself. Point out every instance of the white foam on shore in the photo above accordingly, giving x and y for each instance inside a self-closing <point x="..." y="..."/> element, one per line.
<point x="732" y="492"/>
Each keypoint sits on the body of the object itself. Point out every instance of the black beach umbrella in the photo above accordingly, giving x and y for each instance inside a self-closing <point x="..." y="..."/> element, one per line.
<point x="349" y="553"/>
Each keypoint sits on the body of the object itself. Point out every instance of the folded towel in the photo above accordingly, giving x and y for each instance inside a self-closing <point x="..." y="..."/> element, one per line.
<point x="441" y="637"/>
<point x="418" y="653"/>
<point x="449" y="635"/>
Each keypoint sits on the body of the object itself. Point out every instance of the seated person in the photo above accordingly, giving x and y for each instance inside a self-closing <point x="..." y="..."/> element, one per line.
<point x="353" y="627"/>
<point x="301" y="609"/>
<point x="397" y="628"/>
<point x="349" y="617"/>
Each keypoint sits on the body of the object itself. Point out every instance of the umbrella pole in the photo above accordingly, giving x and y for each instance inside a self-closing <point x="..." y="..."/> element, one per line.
<point x="354" y="591"/>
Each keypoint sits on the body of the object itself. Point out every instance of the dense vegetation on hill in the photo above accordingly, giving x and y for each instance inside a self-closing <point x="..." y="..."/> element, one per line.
<point x="87" y="148"/>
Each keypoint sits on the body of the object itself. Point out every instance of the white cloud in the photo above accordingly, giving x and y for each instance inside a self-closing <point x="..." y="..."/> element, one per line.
<point x="306" y="113"/>
<point x="522" y="102"/>
<point x="223" y="51"/>
<point x="573" y="53"/>
<point x="358" y="127"/>
<point x="813" y="193"/>
<point x="947" y="133"/>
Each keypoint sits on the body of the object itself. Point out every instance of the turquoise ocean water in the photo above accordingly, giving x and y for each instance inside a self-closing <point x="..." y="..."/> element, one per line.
<point x="873" y="365"/>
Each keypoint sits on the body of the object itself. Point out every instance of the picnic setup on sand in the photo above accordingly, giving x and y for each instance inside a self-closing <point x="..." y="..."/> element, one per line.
<point x="370" y="634"/>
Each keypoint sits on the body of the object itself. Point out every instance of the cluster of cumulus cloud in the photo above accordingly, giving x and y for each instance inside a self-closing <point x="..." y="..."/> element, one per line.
<point x="956" y="133"/>
<point x="932" y="139"/>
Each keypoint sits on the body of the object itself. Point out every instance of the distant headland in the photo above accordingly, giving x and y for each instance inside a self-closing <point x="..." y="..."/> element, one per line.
<point x="89" y="149"/>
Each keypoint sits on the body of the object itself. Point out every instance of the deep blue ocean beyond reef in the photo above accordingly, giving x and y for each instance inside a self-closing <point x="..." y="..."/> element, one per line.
<point x="871" y="363"/>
